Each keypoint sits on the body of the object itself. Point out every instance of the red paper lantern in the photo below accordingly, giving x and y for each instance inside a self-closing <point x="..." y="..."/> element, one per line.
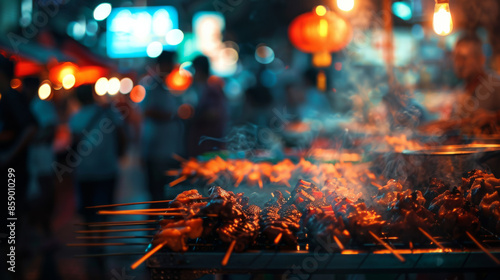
<point x="320" y="32"/>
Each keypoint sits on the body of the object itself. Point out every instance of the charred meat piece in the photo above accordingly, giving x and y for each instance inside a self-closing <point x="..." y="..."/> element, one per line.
<point x="457" y="221"/>
<point x="480" y="187"/>
<point x="322" y="226"/>
<point x="185" y="199"/>
<point x="434" y="188"/>
<point x="244" y="229"/>
<point x="455" y="215"/>
<point x="278" y="218"/>
<point x="489" y="211"/>
<point x="306" y="194"/>
<point x="222" y="202"/>
<point x="359" y="220"/>
<point x="234" y="222"/>
<point x="176" y="233"/>
<point x="391" y="186"/>
<point x="408" y="214"/>
<point x="470" y="178"/>
<point x="448" y="200"/>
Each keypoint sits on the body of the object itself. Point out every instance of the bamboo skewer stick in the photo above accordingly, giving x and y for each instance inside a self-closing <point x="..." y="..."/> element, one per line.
<point x="228" y="253"/>
<point x="102" y="212"/>
<point x="431" y="238"/>
<point x="337" y="240"/>
<point x="175" y="214"/>
<point x="149" y="210"/>
<point x="130" y="203"/>
<point x="153" y="209"/>
<point x="493" y="258"/>
<point x="114" y="237"/>
<point x="104" y="244"/>
<point x="178" y="158"/>
<point x="178" y="180"/>
<point x="114" y="230"/>
<point x="172" y="173"/>
<point x="147" y="255"/>
<point x="396" y="254"/>
<point x="107" y="255"/>
<point x="116" y="223"/>
<point x="278" y="238"/>
<point x="214" y="178"/>
<point x="126" y="224"/>
<point x="137" y="203"/>
<point x="238" y="181"/>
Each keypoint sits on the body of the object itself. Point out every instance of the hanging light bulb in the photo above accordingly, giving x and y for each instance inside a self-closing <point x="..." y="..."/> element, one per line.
<point x="345" y="5"/>
<point x="442" y="23"/>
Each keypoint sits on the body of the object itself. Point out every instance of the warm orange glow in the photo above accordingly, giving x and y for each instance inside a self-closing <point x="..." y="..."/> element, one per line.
<point x="179" y="80"/>
<point x="442" y="22"/>
<point x="323" y="28"/>
<point x="312" y="33"/>
<point x="27" y="68"/>
<point x="59" y="72"/>
<point x="185" y="111"/>
<point x="89" y="74"/>
<point x="15" y="83"/>
<point x="137" y="94"/>
<point x="321" y="80"/>
<point x="322" y="59"/>
<point x="320" y="10"/>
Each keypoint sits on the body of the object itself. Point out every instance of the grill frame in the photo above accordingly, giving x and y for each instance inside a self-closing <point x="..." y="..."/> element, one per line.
<point x="172" y="265"/>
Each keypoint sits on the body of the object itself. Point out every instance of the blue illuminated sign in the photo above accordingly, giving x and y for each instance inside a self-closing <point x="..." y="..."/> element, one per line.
<point x="131" y="30"/>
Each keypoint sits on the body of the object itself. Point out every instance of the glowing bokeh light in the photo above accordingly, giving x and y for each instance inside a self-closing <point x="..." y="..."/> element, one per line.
<point x="179" y="80"/>
<point x="174" y="37"/>
<point x="320" y="10"/>
<point x="232" y="89"/>
<point x="154" y="49"/>
<point x="102" y="11"/>
<point x="402" y="10"/>
<point x="264" y="54"/>
<point x="442" y="22"/>
<point x="15" y="83"/>
<point x="161" y="22"/>
<point x="92" y="27"/>
<point x="229" y="55"/>
<point x="338" y="66"/>
<point x="44" y="91"/>
<point x="345" y="5"/>
<point x="101" y="86"/>
<point x="185" y="111"/>
<point x="137" y="94"/>
<point x="187" y="66"/>
<point x="113" y="86"/>
<point x="68" y="81"/>
<point x="126" y="85"/>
